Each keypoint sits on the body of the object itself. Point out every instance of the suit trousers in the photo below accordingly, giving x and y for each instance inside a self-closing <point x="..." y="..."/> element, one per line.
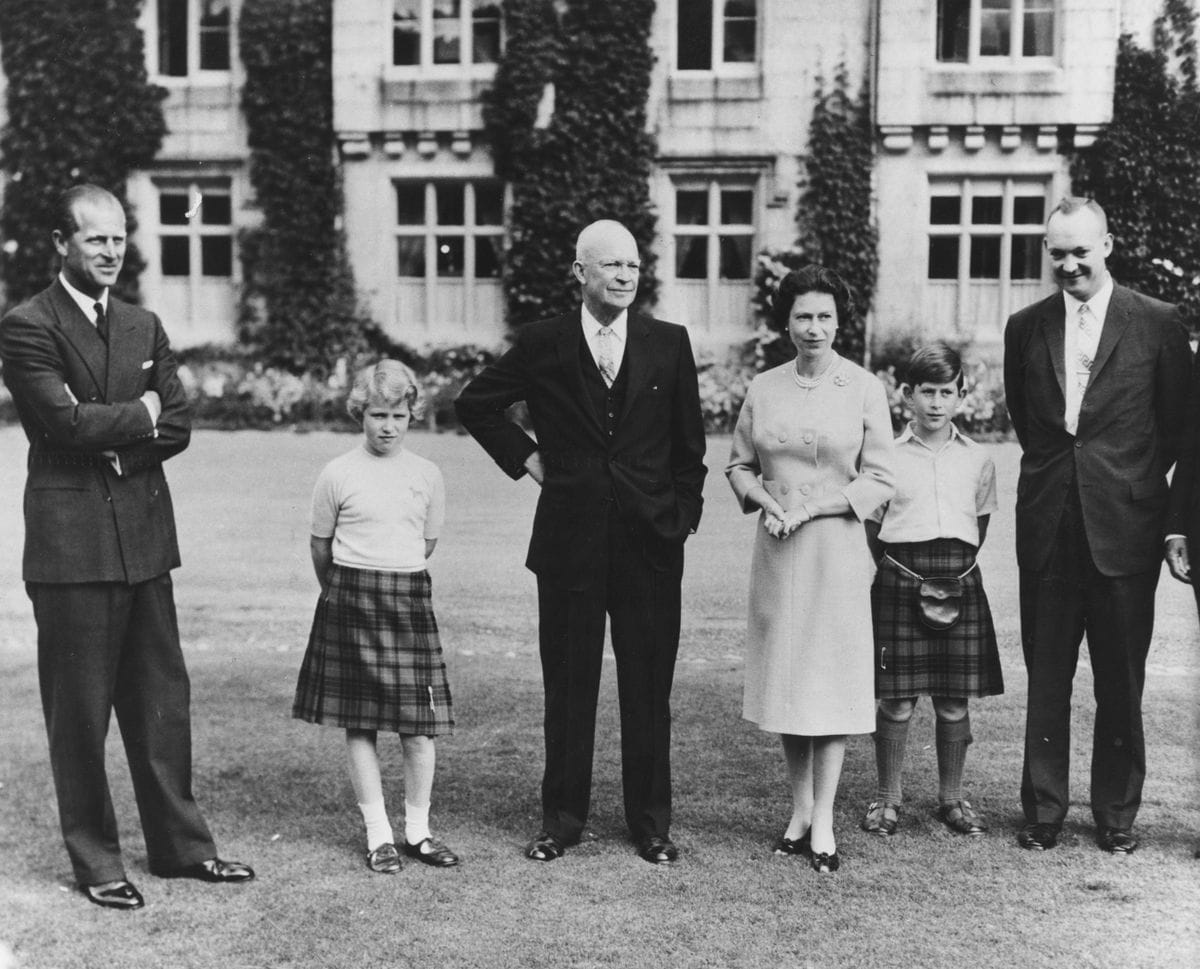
<point x="1059" y="604"/>
<point x="643" y="605"/>
<point x="105" y="646"/>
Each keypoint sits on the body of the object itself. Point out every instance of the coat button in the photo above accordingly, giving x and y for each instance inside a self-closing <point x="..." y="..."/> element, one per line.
<point x="808" y="438"/>
<point x="805" y="489"/>
<point x="782" y="438"/>
<point x="783" y="489"/>
<point x="1079" y="443"/>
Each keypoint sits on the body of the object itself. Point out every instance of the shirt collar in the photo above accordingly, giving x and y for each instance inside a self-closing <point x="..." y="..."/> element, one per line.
<point x="908" y="434"/>
<point x="1098" y="304"/>
<point x="82" y="300"/>
<point x="617" y="326"/>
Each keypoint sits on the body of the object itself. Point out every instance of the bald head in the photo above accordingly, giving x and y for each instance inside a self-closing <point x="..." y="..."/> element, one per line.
<point x="608" y="267"/>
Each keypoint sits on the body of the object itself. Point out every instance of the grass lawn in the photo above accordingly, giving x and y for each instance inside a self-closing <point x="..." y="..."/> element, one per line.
<point x="276" y="792"/>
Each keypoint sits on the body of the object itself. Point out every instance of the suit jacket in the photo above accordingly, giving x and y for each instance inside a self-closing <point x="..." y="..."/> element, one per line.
<point x="1183" y="512"/>
<point x="652" y="465"/>
<point x="1128" y="432"/>
<point x="84" y="522"/>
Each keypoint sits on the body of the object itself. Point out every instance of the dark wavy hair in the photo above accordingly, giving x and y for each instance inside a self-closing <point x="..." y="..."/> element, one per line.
<point x="811" y="279"/>
<point x="934" y="363"/>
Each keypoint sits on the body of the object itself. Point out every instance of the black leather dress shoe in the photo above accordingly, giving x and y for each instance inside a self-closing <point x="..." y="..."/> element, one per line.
<point x="118" y="895"/>
<point x="1038" y="836"/>
<point x="1117" y="841"/>
<point x="545" y="847"/>
<point x="214" y="870"/>
<point x="657" y="850"/>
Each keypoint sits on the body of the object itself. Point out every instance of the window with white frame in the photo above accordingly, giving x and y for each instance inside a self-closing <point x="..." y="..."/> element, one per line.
<point x="971" y="31"/>
<point x="713" y="34"/>
<point x="449" y="251"/>
<point x="195" y="228"/>
<point x="193" y="35"/>
<point x="712" y="231"/>
<point x="984" y="249"/>
<point x="450" y="32"/>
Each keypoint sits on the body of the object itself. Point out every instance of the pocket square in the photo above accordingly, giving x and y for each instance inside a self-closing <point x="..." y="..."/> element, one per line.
<point x="147" y="364"/>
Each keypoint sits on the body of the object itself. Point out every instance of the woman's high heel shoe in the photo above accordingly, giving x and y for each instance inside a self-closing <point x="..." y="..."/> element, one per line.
<point x="825" y="863"/>
<point x="795" y="846"/>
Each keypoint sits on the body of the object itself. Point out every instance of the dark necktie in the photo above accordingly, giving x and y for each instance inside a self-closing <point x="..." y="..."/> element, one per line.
<point x="101" y="322"/>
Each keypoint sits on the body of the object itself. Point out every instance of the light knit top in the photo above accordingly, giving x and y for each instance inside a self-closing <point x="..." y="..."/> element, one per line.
<point x="379" y="510"/>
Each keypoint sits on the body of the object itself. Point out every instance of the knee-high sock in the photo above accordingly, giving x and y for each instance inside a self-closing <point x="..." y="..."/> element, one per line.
<point x="953" y="738"/>
<point x="891" y="738"/>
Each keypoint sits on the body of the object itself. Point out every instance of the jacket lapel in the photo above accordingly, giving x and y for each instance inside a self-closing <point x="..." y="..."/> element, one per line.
<point x="1116" y="320"/>
<point x="569" y="337"/>
<point x="1054" y="315"/>
<point x="82" y="336"/>
<point x="637" y="359"/>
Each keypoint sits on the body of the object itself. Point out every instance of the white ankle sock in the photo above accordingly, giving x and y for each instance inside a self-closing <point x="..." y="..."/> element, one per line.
<point x="416" y="822"/>
<point x="379" y="829"/>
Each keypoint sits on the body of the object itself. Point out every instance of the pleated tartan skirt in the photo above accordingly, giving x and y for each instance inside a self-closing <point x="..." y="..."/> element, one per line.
<point x="374" y="660"/>
<point x="913" y="660"/>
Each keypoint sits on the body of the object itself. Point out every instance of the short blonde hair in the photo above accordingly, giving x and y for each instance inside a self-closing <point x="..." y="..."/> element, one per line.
<point x="388" y="381"/>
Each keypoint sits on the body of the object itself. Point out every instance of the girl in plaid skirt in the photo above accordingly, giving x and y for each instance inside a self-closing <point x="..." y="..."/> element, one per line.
<point x="374" y="660"/>
<point x="944" y="648"/>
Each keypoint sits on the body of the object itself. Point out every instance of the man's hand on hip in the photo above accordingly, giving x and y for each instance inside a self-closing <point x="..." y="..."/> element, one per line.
<point x="1176" y="554"/>
<point x="533" y="464"/>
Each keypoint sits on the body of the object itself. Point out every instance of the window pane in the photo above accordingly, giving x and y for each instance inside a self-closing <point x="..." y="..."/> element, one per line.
<point x="410" y="251"/>
<point x="216" y="210"/>
<point x="694" y="35"/>
<point x="1039" y="28"/>
<point x="691" y="257"/>
<point x="987" y="210"/>
<point x="737" y="207"/>
<point x="995" y="28"/>
<point x="735" y="256"/>
<point x="985" y="257"/>
<point x="410" y="203"/>
<point x="172" y="208"/>
<point x="943" y="257"/>
<point x="214" y="35"/>
<point x="450" y="209"/>
<point x="447" y="32"/>
<point x="172" y="37"/>
<point x="487" y="257"/>
<point x="741" y="31"/>
<point x="176" y="259"/>
<point x="1029" y="210"/>
<point x="450" y="257"/>
<point x="216" y="256"/>
<point x="691" y="207"/>
<point x="1026" y="257"/>
<point x="953" y="29"/>
<point x="485" y="32"/>
<point x="406" y="32"/>
<point x="945" y="210"/>
<point x="489" y="204"/>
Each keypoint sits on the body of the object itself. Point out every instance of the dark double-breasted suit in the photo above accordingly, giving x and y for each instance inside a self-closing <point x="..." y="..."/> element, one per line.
<point x="99" y="547"/>
<point x="622" y="491"/>
<point x="1090" y="512"/>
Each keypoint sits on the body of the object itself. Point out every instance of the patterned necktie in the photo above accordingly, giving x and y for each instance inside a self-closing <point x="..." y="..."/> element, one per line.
<point x="1086" y="344"/>
<point x="604" y="358"/>
<point x="101" y="322"/>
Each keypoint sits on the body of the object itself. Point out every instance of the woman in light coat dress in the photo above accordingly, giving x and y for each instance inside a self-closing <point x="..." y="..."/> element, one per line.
<point x="812" y="453"/>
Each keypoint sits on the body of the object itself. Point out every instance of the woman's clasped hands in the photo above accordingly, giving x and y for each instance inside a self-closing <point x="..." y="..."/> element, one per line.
<point x="781" y="524"/>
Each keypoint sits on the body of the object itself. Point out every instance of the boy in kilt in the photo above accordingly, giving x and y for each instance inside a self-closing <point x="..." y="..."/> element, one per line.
<point x="933" y="627"/>
<point x="374" y="660"/>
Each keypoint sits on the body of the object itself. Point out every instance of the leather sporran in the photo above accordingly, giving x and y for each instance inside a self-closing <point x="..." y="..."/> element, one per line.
<point x="939" y="602"/>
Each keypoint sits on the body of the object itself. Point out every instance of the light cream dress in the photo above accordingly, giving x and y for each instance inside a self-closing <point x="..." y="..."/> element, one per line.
<point x="809" y="639"/>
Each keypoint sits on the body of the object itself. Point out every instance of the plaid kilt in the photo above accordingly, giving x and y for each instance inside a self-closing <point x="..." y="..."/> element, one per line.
<point x="374" y="659"/>
<point x="913" y="660"/>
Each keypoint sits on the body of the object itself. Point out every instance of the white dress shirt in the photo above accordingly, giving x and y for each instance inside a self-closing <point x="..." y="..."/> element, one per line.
<point x="85" y="302"/>
<point x="1098" y="307"/>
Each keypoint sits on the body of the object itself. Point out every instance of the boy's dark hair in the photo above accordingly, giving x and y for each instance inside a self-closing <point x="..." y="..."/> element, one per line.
<point x="934" y="363"/>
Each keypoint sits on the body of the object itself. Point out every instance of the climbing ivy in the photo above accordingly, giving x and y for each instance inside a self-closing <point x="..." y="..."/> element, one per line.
<point x="566" y="117"/>
<point x="300" y="309"/>
<point x="1144" y="169"/>
<point x="80" y="108"/>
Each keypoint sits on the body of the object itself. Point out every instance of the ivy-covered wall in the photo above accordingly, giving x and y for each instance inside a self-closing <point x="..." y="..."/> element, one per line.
<point x="1145" y="166"/>
<point x="566" y="118"/>
<point x="80" y="108"/>
<point x="300" y="310"/>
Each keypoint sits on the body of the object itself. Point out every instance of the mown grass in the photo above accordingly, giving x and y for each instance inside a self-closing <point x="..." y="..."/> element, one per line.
<point x="276" y="793"/>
